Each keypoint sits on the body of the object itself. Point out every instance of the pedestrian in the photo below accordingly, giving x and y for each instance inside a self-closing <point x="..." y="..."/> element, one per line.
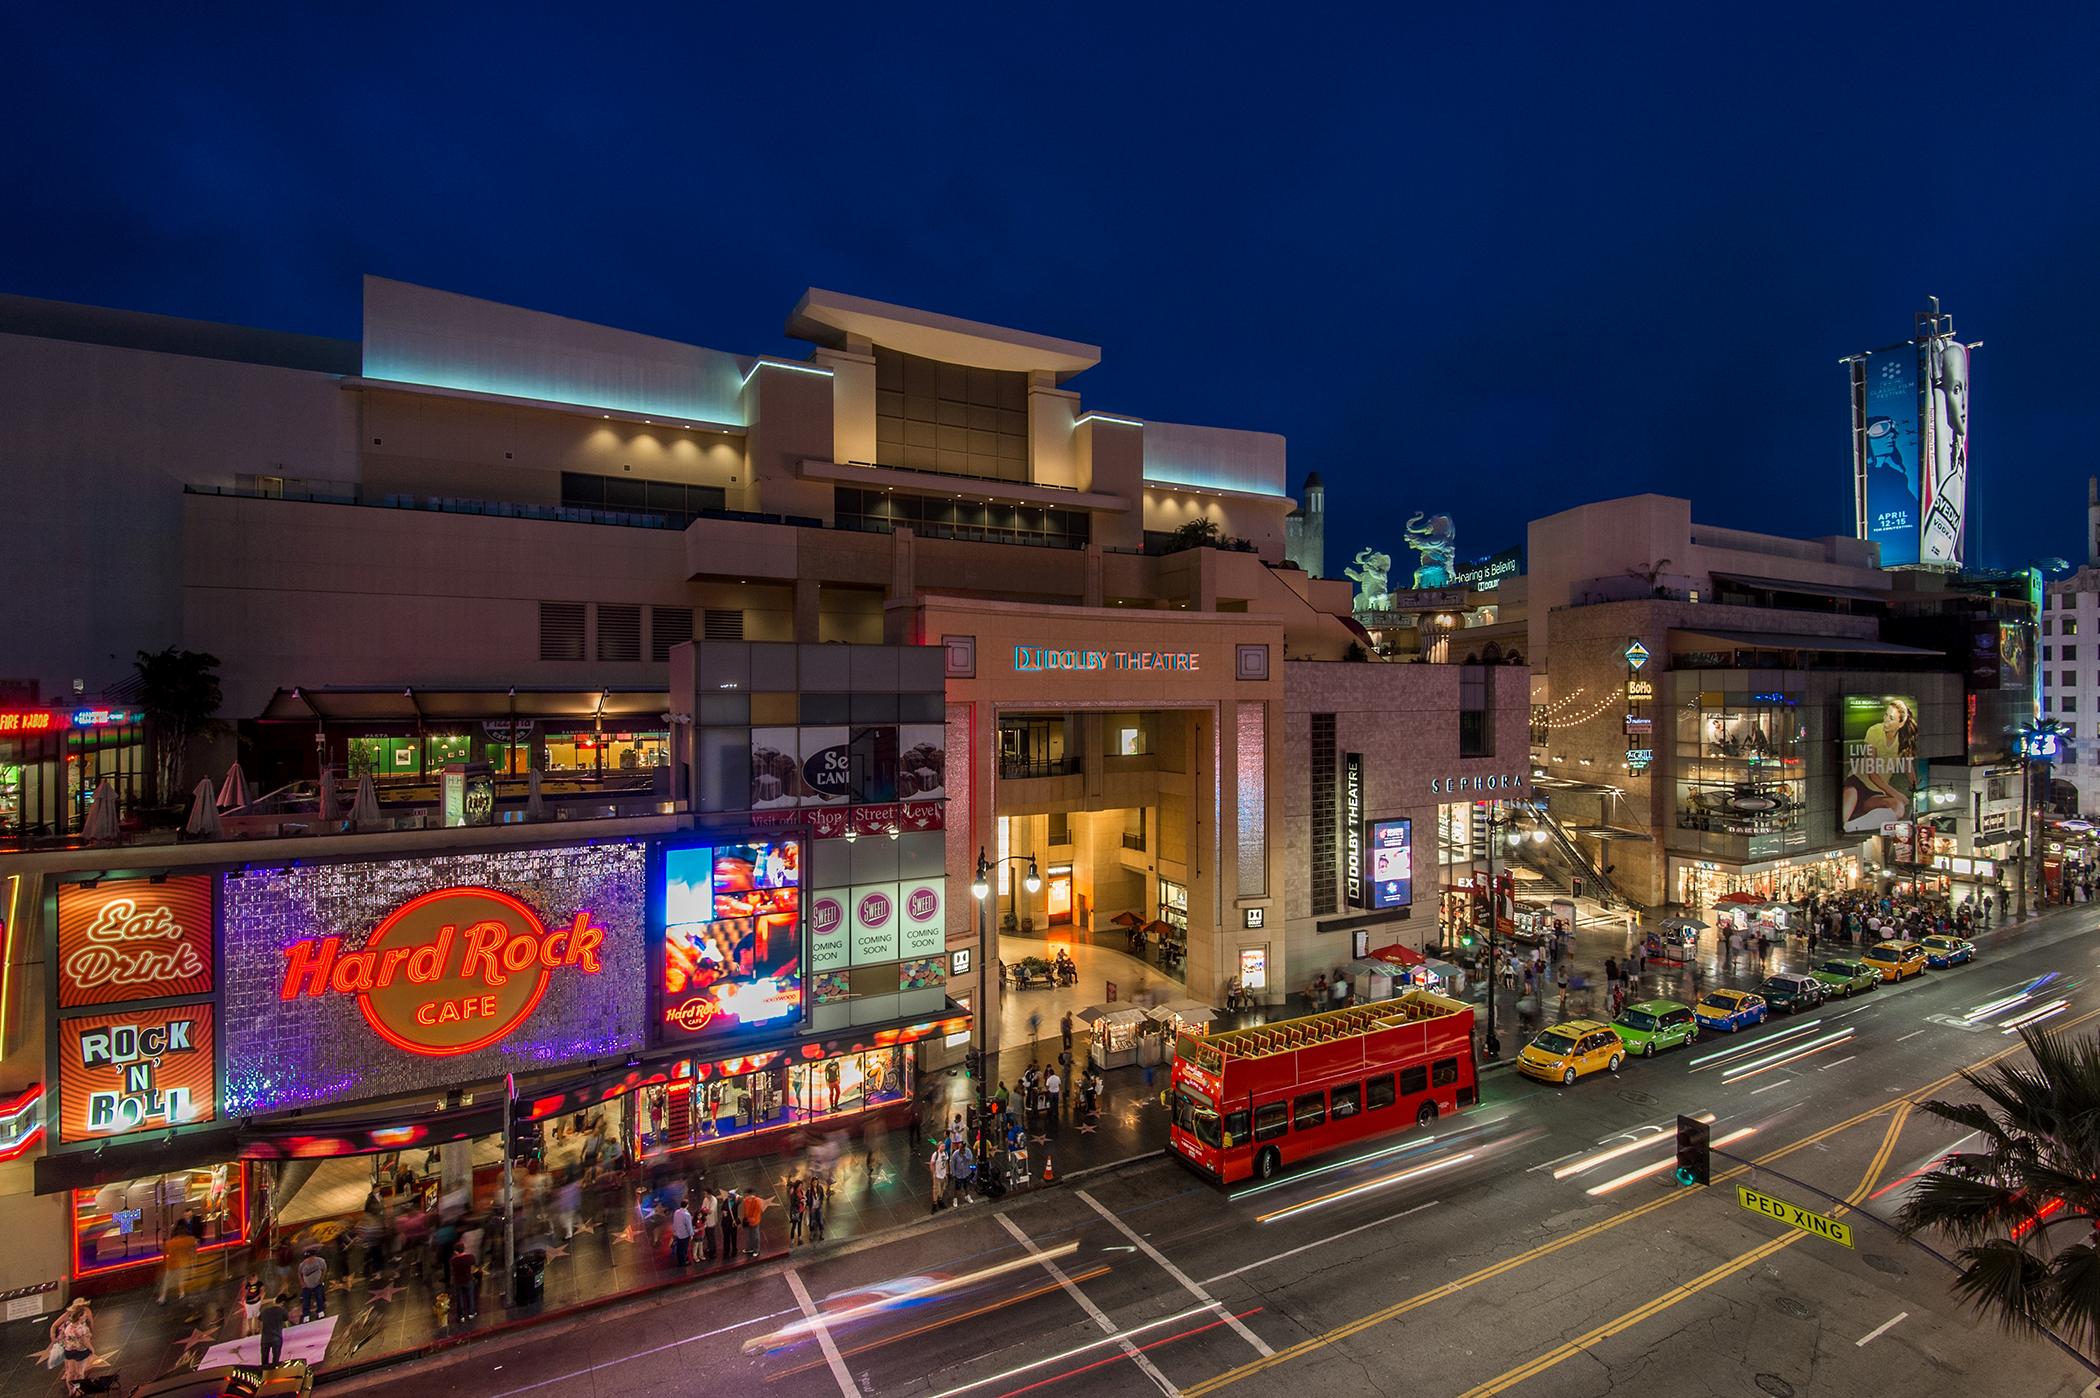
<point x="569" y="1201"/>
<point x="938" y="1164"/>
<point x="1560" y="978"/>
<point x="732" y="1211"/>
<point x="1054" y="1089"/>
<point x="1066" y="1028"/>
<point x="181" y="1252"/>
<point x="1002" y="1097"/>
<point x="710" y="1220"/>
<point x="754" y="1207"/>
<point x="797" y="1202"/>
<point x="817" y="1191"/>
<point x="459" y="1278"/>
<point x="962" y="1176"/>
<point x="251" y="1302"/>
<point x="313" y="1279"/>
<point x="1611" y="977"/>
<point x="74" y="1334"/>
<point x="271" y="1319"/>
<point x="681" y="1236"/>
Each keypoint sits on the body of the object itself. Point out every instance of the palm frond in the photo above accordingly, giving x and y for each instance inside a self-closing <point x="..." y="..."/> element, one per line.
<point x="2074" y="1311"/>
<point x="1966" y="1208"/>
<point x="2003" y="1280"/>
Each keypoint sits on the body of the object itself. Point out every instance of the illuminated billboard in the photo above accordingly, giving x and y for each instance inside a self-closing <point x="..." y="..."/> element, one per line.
<point x="1944" y="364"/>
<point x="375" y="978"/>
<point x="729" y="956"/>
<point x="1890" y="452"/>
<point x="135" y="1070"/>
<point x="133" y="939"/>
<point x="1392" y="863"/>
<point x="1880" y="766"/>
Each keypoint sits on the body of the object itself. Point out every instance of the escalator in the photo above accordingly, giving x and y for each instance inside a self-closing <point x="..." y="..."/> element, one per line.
<point x="1595" y="882"/>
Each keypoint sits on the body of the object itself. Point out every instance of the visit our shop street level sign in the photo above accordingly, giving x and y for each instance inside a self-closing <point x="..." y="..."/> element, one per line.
<point x="1636" y="654"/>
<point x="1794" y="1216"/>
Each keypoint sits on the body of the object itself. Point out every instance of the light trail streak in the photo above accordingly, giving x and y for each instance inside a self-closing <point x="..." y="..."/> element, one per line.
<point x="865" y="1346"/>
<point x="1407" y="1147"/>
<point x="1400" y="1177"/>
<point x="2048" y="1011"/>
<point x="1933" y="1161"/>
<point x="1767" y="1041"/>
<point x="1119" y="1358"/>
<point x="1663" y="1164"/>
<point x="802" y="1328"/>
<point x="1793" y="1053"/>
<point x="1076" y="1350"/>
<point x="1590" y="1162"/>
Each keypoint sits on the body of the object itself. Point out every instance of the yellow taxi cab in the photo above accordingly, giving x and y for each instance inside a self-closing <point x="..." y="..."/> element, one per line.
<point x="1567" y="1051"/>
<point x="1896" y="961"/>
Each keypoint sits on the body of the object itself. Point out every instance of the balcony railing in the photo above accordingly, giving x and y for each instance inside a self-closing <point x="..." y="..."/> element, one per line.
<point x="1015" y="768"/>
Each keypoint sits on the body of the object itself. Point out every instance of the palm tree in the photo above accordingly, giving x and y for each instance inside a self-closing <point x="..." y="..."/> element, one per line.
<point x="2025" y="1209"/>
<point x="179" y="690"/>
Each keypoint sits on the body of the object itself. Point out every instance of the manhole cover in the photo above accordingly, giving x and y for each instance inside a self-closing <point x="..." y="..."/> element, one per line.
<point x="1787" y="1305"/>
<point x="1775" y="1385"/>
<point x="1639" y="1099"/>
<point x="1882" y="1263"/>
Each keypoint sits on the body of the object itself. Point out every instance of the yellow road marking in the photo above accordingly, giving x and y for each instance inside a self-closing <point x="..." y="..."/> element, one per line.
<point x="1510" y="1264"/>
<point x="1675" y="1294"/>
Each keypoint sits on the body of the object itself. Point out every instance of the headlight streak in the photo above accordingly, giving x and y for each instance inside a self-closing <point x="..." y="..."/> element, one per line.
<point x="806" y="1326"/>
<point x="1613" y="1153"/>
<point x="1793" y="1053"/>
<point x="1665" y="1163"/>
<point x="1120" y="1335"/>
<point x="1406" y="1147"/>
<point x="1763" y="1043"/>
<point x="1400" y="1177"/>
<point x="2048" y="1011"/>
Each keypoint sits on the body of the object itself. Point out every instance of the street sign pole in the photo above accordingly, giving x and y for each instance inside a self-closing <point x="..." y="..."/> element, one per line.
<point x="510" y="1198"/>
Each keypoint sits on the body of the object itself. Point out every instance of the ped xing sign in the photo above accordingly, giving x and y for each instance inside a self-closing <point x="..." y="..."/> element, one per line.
<point x="1794" y="1216"/>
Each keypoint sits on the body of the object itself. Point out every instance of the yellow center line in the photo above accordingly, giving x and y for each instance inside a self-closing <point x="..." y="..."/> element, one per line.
<point x="1580" y="1235"/>
<point x="1687" y="1290"/>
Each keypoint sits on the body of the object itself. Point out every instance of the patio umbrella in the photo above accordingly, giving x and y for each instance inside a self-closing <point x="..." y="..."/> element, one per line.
<point x="1155" y="927"/>
<point x="329" y="800"/>
<point x="535" y="804"/>
<point x="204" y="823"/>
<point x="102" y="818"/>
<point x="1127" y="918"/>
<point x="1398" y="954"/>
<point x="233" y="792"/>
<point x="364" y="812"/>
<point x="1676" y="922"/>
<point x="1738" y="900"/>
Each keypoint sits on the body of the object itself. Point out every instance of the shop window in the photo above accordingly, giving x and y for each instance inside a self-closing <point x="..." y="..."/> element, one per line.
<point x="1308" y="1110"/>
<point x="128" y="1224"/>
<point x="1271" y="1120"/>
<point x="1378" y="1092"/>
<point x="1174" y="905"/>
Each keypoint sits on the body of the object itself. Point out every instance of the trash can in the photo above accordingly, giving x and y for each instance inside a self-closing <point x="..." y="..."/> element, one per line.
<point x="529" y="1278"/>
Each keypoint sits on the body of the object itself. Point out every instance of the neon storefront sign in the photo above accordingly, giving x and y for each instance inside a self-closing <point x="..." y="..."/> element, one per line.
<point x="451" y="971"/>
<point x="1036" y="658"/>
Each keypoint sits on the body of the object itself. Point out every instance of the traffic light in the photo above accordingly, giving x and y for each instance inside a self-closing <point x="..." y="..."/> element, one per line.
<point x="1694" y="1151"/>
<point x="524" y="1138"/>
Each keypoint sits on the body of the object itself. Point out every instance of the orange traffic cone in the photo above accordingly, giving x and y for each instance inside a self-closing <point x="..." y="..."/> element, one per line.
<point x="1049" y="1170"/>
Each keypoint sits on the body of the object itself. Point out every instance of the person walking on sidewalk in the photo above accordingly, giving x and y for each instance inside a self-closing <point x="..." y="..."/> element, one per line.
<point x="181" y="1255"/>
<point x="938" y="1164"/>
<point x="754" y="1207"/>
<point x="1066" y="1029"/>
<point x="817" y="1191"/>
<point x="710" y="1220"/>
<point x="1054" y="1089"/>
<point x="313" y="1286"/>
<point x="681" y="1236"/>
<point x="273" y="1316"/>
<point x="74" y="1334"/>
<point x="797" y="1201"/>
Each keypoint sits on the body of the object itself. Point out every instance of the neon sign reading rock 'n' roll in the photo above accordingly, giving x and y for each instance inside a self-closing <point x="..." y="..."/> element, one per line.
<point x="1029" y="658"/>
<point x="448" y="972"/>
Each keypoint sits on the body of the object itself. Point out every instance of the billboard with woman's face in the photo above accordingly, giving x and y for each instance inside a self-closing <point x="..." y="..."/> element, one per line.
<point x="1880" y="760"/>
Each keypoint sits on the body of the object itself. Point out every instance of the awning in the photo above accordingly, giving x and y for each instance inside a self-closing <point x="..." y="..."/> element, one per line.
<point x="1788" y="640"/>
<point x="1804" y="589"/>
<point x="409" y="705"/>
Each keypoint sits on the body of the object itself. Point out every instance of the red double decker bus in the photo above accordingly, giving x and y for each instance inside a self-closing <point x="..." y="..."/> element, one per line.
<point x="1251" y="1101"/>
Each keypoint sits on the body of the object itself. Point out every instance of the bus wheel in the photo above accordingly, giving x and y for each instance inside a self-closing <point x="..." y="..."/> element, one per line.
<point x="1426" y="1115"/>
<point x="1266" y="1164"/>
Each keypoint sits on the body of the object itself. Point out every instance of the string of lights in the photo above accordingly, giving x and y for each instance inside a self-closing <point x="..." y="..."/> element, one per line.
<point x="1596" y="711"/>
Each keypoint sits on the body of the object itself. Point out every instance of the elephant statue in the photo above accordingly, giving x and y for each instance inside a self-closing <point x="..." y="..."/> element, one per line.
<point x="1370" y="572"/>
<point x="1434" y="538"/>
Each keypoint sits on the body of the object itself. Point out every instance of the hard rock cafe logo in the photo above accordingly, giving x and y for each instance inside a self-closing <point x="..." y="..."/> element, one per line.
<point x="449" y="972"/>
<point x="129" y="945"/>
<point x="693" y="1015"/>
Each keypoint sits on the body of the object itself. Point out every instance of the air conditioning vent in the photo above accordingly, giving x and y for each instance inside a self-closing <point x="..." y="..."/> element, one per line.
<point x="561" y="630"/>
<point x="619" y="632"/>
<point x="668" y="626"/>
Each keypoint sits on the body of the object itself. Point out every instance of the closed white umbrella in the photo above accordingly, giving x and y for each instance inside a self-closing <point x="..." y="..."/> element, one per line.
<point x="329" y="797"/>
<point x="364" y="812"/>
<point x="101" y="827"/>
<point x="535" y="804"/>
<point x="233" y="792"/>
<point x="204" y="821"/>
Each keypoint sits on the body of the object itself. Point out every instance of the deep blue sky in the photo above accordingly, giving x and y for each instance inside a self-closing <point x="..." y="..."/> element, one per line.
<point x="1493" y="263"/>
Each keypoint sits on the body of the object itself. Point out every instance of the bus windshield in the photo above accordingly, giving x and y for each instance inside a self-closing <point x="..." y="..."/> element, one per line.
<point x="1196" y="1116"/>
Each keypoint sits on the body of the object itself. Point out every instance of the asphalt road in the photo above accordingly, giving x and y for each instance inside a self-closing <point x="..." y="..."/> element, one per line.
<point x="1535" y="1244"/>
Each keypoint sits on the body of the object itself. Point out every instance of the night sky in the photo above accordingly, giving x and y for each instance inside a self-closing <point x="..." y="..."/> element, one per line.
<point x="1491" y="264"/>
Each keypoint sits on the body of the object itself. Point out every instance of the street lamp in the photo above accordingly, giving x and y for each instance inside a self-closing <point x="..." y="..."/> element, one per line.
<point x="981" y="890"/>
<point x="1496" y="825"/>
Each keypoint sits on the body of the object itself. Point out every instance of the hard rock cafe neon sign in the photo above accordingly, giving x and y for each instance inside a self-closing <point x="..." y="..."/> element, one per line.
<point x="451" y="971"/>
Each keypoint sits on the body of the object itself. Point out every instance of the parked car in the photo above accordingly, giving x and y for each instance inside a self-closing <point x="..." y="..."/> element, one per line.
<point x="1567" y="1051"/>
<point x="1650" y="1026"/>
<point x="1729" y="1009"/>
<point x="1942" y="952"/>
<point x="1897" y="961"/>
<point x="1846" y="977"/>
<point x="1788" y="991"/>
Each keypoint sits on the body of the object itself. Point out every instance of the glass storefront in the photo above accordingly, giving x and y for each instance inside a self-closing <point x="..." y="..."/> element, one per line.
<point x="1702" y="883"/>
<point x="48" y="782"/>
<point x="1174" y="906"/>
<point x="128" y="1224"/>
<point x="1740" y="769"/>
<point x="582" y="753"/>
<point x="749" y="1096"/>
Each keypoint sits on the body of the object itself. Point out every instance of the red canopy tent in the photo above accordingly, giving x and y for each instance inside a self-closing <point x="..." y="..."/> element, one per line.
<point x="1398" y="954"/>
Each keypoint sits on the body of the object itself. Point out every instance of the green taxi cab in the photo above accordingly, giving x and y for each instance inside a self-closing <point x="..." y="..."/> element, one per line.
<point x="1845" y="977"/>
<point x="1650" y="1026"/>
